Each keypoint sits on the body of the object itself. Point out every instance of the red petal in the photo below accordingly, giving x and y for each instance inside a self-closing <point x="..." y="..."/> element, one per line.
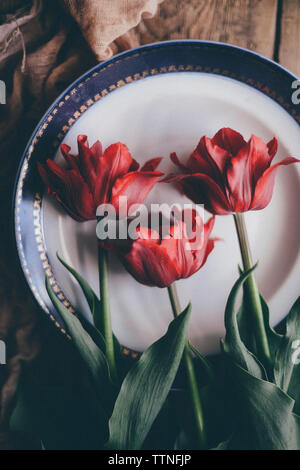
<point x="152" y="164"/>
<point x="114" y="163"/>
<point x="172" y="178"/>
<point x="135" y="186"/>
<point x="134" y="165"/>
<point x="69" y="189"/>
<point x="208" y="227"/>
<point x="201" y="161"/>
<point x="70" y="159"/>
<point x="209" y="248"/>
<point x="150" y="264"/>
<point x="175" y="245"/>
<point x="209" y="243"/>
<point x="229" y="140"/>
<point x="185" y="258"/>
<point x="218" y="154"/>
<point x="195" y="222"/>
<point x="205" y="247"/>
<point x="56" y="174"/>
<point x="79" y="198"/>
<point x="245" y="169"/>
<point x="145" y="233"/>
<point x="96" y="151"/>
<point x="86" y="162"/>
<point x="272" y="148"/>
<point x="264" y="188"/>
<point x="239" y="180"/>
<point x="65" y="148"/>
<point x="176" y="161"/>
<point x="204" y="190"/>
<point x="260" y="157"/>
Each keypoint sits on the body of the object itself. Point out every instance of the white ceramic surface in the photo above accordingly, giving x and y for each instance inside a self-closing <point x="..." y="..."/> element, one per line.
<point x="154" y="117"/>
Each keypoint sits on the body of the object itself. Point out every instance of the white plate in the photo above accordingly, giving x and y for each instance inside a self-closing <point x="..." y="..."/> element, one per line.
<point x="156" y="116"/>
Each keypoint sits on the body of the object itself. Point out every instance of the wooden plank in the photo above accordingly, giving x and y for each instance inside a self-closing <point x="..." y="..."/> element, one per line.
<point x="246" y="23"/>
<point x="289" y="49"/>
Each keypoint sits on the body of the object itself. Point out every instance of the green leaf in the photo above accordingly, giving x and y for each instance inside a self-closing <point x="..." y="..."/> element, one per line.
<point x="87" y="348"/>
<point x="146" y="386"/>
<point x="95" y="307"/>
<point x="91" y="297"/>
<point x="273" y="337"/>
<point x="267" y="419"/>
<point x="247" y="331"/>
<point x="233" y="345"/>
<point x="205" y="366"/>
<point x="95" y="334"/>
<point x="288" y="355"/>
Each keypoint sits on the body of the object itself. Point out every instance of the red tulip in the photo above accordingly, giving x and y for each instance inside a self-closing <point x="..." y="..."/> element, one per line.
<point x="228" y="174"/>
<point x="158" y="260"/>
<point x="93" y="178"/>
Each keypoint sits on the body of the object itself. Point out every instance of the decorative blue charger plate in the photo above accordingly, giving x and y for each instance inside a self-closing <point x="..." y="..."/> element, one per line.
<point x="171" y="92"/>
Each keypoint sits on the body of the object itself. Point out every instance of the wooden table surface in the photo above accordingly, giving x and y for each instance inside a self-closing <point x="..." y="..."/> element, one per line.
<point x="269" y="27"/>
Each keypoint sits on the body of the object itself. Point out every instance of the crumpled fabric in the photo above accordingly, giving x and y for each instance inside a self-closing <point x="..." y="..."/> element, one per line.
<point x="44" y="46"/>
<point x="113" y="20"/>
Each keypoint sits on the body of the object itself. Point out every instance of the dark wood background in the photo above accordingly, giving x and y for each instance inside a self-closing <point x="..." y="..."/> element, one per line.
<point x="269" y="27"/>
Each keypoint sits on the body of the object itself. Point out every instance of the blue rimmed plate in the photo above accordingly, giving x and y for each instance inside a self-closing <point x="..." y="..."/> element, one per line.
<point x="158" y="99"/>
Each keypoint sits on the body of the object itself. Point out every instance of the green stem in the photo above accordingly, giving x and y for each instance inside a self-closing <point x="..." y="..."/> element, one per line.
<point x="191" y="376"/>
<point x="105" y="311"/>
<point x="262" y="342"/>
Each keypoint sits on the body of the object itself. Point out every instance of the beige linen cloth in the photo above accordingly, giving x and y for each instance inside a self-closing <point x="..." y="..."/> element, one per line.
<point x="44" y="46"/>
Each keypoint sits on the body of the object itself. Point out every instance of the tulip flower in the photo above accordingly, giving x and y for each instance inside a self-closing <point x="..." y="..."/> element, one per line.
<point x="159" y="260"/>
<point x="94" y="177"/>
<point x="228" y="174"/>
<point x="231" y="176"/>
<point x="160" y="257"/>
